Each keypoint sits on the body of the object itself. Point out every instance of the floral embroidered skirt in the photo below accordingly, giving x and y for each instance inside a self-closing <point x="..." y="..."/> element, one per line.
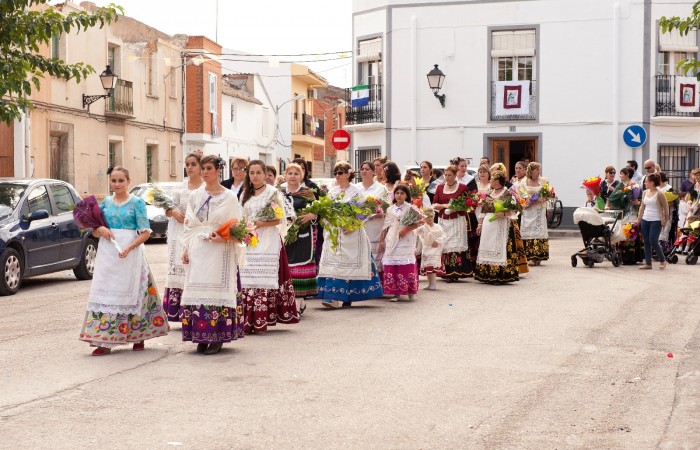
<point x="495" y="274"/>
<point x="110" y="330"/>
<point x="267" y="307"/>
<point x="536" y="249"/>
<point x="456" y="264"/>
<point x="350" y="290"/>
<point x="171" y="304"/>
<point x="520" y="248"/>
<point x="207" y="324"/>
<point x="431" y="269"/>
<point x="473" y="238"/>
<point x="400" y="279"/>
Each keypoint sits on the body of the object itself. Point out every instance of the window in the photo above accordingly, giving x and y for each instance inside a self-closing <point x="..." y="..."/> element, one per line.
<point x="265" y="122"/>
<point x="213" y="98"/>
<point x="233" y="112"/>
<point x="151" y="163"/>
<point x="55" y="46"/>
<point x="369" y="61"/>
<point x="38" y="199"/>
<point x="114" y="58"/>
<point x="62" y="198"/>
<point x="115" y="154"/>
<point x="511" y="50"/>
<point x="677" y="161"/>
<point x="173" y="161"/>
<point x="153" y="74"/>
<point x="172" y="82"/>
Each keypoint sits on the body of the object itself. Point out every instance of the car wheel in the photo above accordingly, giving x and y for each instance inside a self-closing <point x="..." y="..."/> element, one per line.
<point x="11" y="264"/>
<point x="86" y="268"/>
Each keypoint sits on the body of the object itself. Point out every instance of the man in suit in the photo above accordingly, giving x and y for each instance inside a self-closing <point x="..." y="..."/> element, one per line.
<point x="235" y="183"/>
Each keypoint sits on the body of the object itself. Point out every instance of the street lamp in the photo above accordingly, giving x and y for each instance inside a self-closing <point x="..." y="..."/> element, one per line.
<point x="109" y="80"/>
<point x="293" y="99"/>
<point x="435" y="80"/>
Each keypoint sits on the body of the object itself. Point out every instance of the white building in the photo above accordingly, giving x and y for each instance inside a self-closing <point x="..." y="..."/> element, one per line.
<point x="557" y="82"/>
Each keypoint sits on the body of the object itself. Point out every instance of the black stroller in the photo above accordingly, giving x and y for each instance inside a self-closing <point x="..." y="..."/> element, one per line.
<point x="688" y="240"/>
<point x="596" y="232"/>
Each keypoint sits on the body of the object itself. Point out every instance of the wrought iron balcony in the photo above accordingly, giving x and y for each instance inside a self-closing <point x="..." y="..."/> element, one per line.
<point x="121" y="103"/>
<point x="531" y="115"/>
<point x="666" y="97"/>
<point x="370" y="113"/>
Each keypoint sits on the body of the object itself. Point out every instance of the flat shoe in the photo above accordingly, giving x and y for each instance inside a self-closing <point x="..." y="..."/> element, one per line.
<point x="101" y="351"/>
<point x="139" y="346"/>
<point x="662" y="265"/>
<point x="645" y="267"/>
<point x="213" y="349"/>
<point x="201" y="348"/>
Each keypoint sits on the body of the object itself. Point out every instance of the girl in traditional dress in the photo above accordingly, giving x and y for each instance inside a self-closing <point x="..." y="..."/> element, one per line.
<point x="455" y="257"/>
<point x="211" y="315"/>
<point x="347" y="273"/>
<point x="123" y="306"/>
<point x="399" y="245"/>
<point x="534" y="221"/>
<point x="432" y="239"/>
<point x="268" y="293"/>
<point x="374" y="223"/>
<point x="498" y="257"/>
<point x="175" y="278"/>
<point x="462" y="175"/>
<point x="301" y="253"/>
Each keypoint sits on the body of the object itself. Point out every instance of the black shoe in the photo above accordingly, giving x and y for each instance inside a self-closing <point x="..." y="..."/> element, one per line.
<point x="202" y="348"/>
<point x="302" y="309"/>
<point x="213" y="349"/>
<point x="347" y="304"/>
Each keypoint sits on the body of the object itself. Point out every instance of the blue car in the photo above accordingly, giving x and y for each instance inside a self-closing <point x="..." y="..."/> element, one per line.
<point x="38" y="234"/>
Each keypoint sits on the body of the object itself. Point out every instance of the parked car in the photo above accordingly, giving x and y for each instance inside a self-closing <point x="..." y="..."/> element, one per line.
<point x="156" y="216"/>
<point x="38" y="234"/>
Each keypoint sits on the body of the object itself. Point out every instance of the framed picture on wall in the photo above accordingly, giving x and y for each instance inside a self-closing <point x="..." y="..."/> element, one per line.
<point x="511" y="97"/>
<point x="687" y="97"/>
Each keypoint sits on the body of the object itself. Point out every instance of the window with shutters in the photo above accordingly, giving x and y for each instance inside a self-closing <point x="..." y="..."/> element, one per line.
<point x="213" y="98"/>
<point x="673" y="49"/>
<point x="153" y="74"/>
<point x="514" y="66"/>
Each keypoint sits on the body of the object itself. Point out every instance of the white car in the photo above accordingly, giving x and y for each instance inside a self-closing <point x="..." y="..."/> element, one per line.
<point x="156" y="216"/>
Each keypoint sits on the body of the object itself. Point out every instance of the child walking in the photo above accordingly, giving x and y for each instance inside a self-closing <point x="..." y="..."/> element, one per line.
<point x="432" y="238"/>
<point x="398" y="243"/>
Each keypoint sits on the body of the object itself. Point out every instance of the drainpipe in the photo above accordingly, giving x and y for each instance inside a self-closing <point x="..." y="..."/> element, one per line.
<point x="414" y="96"/>
<point x="616" y="84"/>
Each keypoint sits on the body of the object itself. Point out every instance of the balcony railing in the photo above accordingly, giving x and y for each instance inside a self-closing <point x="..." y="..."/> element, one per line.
<point x="531" y="115"/>
<point x="122" y="100"/>
<point x="313" y="126"/>
<point x="666" y="97"/>
<point x="370" y="113"/>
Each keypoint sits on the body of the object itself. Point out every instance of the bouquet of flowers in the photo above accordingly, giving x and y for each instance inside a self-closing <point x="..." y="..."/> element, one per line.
<point x="417" y="190"/>
<point x="375" y="204"/>
<point x="546" y="192"/>
<point x="630" y="231"/>
<point x="463" y="203"/>
<point x="622" y="196"/>
<point x="87" y="214"/>
<point x="240" y="230"/>
<point x="158" y="198"/>
<point x="509" y="202"/>
<point x="670" y="196"/>
<point x="271" y="211"/>
<point x="334" y="215"/>
<point x="412" y="217"/>
<point x="593" y="185"/>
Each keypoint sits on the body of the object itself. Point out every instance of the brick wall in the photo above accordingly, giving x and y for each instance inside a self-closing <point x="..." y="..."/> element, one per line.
<point x="199" y="119"/>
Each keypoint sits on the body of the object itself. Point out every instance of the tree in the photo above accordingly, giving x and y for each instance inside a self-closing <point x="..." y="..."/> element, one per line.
<point x="683" y="26"/>
<point x="22" y="32"/>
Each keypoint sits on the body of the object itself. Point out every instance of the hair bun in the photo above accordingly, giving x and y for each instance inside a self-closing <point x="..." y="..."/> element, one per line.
<point x="110" y="169"/>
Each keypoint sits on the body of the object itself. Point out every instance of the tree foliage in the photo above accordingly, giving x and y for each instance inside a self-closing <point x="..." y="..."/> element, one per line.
<point x="684" y="26"/>
<point x="22" y="32"/>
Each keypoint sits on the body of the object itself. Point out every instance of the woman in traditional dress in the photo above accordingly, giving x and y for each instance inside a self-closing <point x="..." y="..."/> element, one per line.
<point x="268" y="293"/>
<point x="374" y="223"/>
<point x="175" y="278"/>
<point x="498" y="257"/>
<point x="519" y="177"/>
<point x="211" y="315"/>
<point x="347" y="273"/>
<point x="455" y="257"/>
<point x="426" y="173"/>
<point x="463" y="176"/>
<point x="534" y="221"/>
<point x="392" y="175"/>
<point x="301" y="253"/>
<point x="123" y="306"/>
<point x="379" y="169"/>
<point x="399" y="245"/>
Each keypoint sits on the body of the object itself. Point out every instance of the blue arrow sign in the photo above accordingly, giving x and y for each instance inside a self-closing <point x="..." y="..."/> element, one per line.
<point x="634" y="136"/>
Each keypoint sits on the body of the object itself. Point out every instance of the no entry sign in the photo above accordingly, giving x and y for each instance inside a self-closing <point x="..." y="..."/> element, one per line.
<point x="341" y="140"/>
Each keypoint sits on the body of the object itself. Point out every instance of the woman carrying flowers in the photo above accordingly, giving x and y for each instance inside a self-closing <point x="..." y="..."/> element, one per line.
<point x="533" y="227"/>
<point x="175" y="278"/>
<point x="211" y="315"/>
<point x="455" y="257"/>
<point x="625" y="197"/>
<point x="374" y="223"/>
<point x="398" y="242"/>
<point x="347" y="273"/>
<point x="301" y="253"/>
<point x="123" y="306"/>
<point x="268" y="293"/>
<point x="498" y="257"/>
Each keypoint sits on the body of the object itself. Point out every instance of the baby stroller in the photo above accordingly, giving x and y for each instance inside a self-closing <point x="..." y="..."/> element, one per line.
<point x="596" y="232"/>
<point x="687" y="240"/>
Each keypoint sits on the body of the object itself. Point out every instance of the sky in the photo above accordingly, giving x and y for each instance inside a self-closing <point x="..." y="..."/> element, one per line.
<point x="260" y="27"/>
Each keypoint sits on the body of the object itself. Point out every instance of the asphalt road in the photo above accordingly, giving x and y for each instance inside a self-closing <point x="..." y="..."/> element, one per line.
<point x="566" y="358"/>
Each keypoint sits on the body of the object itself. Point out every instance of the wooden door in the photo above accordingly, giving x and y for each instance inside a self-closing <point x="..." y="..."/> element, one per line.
<point x="7" y="150"/>
<point x="500" y="152"/>
<point x="531" y="150"/>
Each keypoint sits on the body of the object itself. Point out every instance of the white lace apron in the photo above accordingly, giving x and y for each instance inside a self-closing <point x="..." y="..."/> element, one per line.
<point x="263" y="261"/>
<point x="493" y="242"/>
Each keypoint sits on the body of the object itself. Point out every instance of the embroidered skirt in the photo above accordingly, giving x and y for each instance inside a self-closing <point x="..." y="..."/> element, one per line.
<point x="520" y="248"/>
<point x="268" y="307"/>
<point x="305" y="271"/>
<point x="350" y="290"/>
<point x="536" y="249"/>
<point x="171" y="304"/>
<point x="497" y="274"/>
<point x="400" y="279"/>
<point x="102" y="329"/>
<point x="456" y="265"/>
